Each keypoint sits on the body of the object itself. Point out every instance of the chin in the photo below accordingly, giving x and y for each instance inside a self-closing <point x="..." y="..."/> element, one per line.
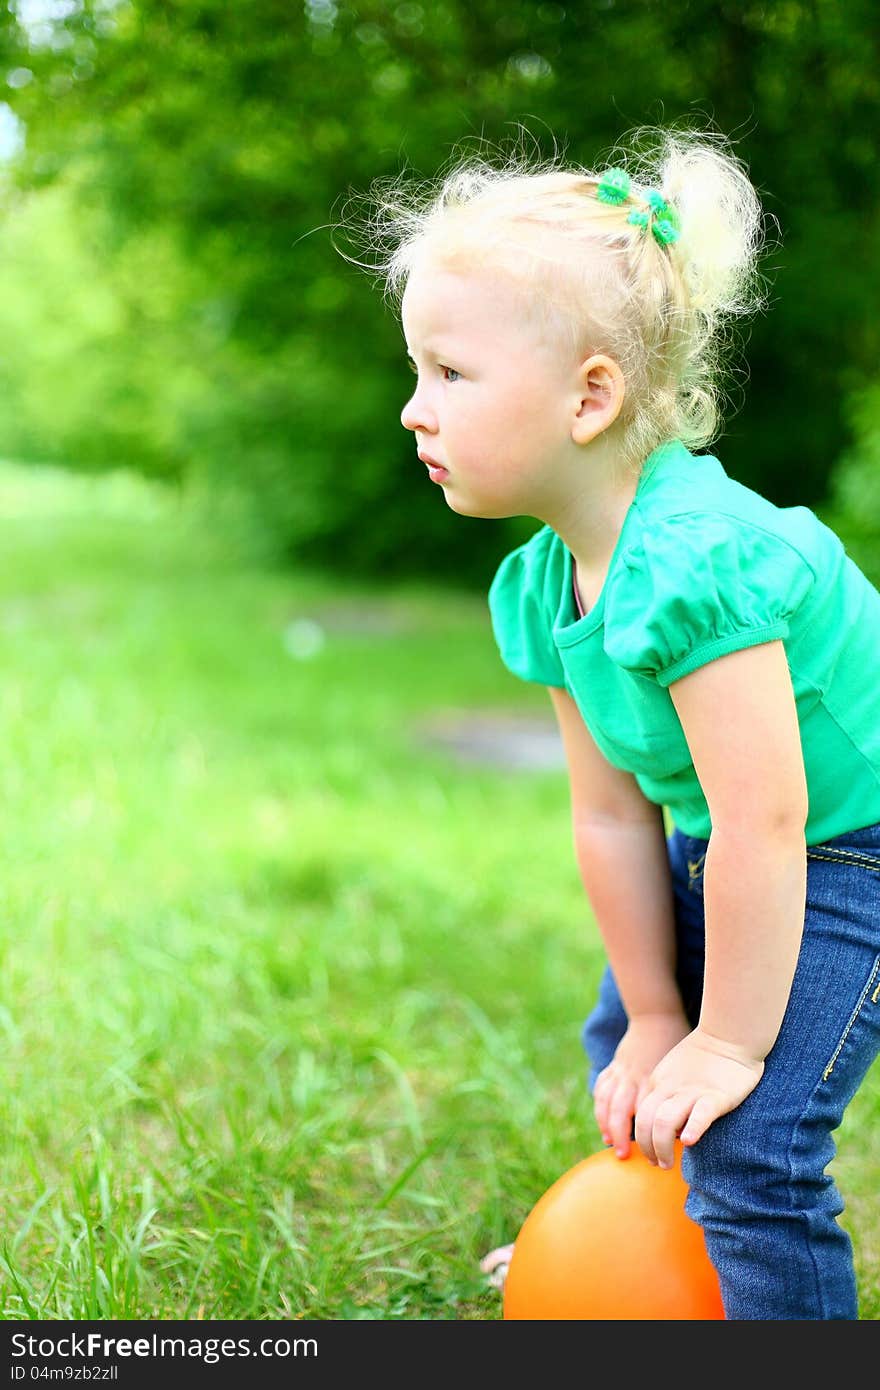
<point x="484" y="511"/>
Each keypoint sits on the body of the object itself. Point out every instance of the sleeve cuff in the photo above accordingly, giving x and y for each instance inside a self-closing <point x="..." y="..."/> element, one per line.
<point x="733" y="642"/>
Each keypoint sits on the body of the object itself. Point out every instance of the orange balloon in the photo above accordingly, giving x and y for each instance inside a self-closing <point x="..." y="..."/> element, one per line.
<point x="610" y="1240"/>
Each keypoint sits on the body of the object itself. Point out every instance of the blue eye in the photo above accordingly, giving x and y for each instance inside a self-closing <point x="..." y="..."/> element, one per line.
<point x="445" y="370"/>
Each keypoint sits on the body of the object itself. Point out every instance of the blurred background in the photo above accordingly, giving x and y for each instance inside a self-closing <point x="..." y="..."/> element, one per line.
<point x="171" y="301"/>
<point x="295" y="953"/>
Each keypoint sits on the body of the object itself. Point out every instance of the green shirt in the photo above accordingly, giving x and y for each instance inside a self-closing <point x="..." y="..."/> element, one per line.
<point x="704" y="566"/>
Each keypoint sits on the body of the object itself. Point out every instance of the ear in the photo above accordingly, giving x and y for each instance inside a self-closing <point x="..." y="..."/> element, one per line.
<point x="602" y="391"/>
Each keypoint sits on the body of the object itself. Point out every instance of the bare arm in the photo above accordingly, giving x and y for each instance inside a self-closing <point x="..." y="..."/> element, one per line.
<point x="754" y="925"/>
<point x="751" y="768"/>
<point x="620" y="847"/>
<point x="740" y="720"/>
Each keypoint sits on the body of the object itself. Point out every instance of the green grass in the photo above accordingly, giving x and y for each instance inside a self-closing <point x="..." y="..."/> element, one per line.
<point x="291" y="1001"/>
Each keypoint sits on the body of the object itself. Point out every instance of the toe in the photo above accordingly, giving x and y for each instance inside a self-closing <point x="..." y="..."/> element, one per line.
<point x="501" y="1256"/>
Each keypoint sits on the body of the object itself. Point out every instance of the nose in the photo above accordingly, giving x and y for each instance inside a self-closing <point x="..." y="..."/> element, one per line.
<point x="416" y="414"/>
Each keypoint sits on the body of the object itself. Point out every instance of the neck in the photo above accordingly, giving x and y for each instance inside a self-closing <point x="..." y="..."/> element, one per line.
<point x="589" y="519"/>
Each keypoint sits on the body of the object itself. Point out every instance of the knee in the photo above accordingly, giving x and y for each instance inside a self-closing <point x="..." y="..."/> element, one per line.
<point x="749" y="1167"/>
<point x="768" y="1214"/>
<point x="720" y="1168"/>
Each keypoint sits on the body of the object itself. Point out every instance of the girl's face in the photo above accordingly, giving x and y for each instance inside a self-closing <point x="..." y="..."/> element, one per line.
<point x="494" y="400"/>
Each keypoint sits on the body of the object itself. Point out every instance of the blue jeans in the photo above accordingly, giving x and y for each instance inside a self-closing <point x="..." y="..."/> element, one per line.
<point x="757" y="1179"/>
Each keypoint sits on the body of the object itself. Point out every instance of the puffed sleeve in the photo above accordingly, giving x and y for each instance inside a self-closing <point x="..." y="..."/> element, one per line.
<point x="523" y="600"/>
<point x="695" y="587"/>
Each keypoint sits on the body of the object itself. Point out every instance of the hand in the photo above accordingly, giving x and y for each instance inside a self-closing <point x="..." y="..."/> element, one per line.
<point x="620" y="1086"/>
<point x="702" y="1078"/>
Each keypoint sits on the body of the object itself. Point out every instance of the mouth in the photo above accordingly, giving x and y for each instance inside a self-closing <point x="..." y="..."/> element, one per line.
<point x="436" y="471"/>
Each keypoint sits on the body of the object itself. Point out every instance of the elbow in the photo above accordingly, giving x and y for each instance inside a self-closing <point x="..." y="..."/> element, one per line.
<point x="585" y="823"/>
<point x="782" y="823"/>
<point x="777" y="813"/>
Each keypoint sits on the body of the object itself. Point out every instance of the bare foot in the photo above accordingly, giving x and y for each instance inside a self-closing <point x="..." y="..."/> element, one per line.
<point x="496" y="1265"/>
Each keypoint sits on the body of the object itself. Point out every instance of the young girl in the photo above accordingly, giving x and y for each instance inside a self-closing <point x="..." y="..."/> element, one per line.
<point x="705" y="651"/>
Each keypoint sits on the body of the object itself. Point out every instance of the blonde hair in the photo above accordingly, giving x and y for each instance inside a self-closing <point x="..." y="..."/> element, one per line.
<point x="595" y="282"/>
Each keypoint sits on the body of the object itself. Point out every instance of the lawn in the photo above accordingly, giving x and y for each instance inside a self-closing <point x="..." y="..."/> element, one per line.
<point x="292" y="998"/>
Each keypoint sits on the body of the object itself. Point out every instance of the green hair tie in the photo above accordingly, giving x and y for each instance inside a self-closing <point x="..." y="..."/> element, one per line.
<point x="615" y="187"/>
<point x="665" y="231"/>
<point x="659" y="216"/>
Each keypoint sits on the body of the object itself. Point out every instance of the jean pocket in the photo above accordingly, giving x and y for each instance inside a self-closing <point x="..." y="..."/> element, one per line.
<point x="837" y="854"/>
<point x="869" y="998"/>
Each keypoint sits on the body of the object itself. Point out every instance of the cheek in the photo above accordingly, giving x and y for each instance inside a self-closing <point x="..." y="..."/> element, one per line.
<point x="509" y="433"/>
<point x="530" y="428"/>
<point x="506" y="419"/>
<point x="532" y="404"/>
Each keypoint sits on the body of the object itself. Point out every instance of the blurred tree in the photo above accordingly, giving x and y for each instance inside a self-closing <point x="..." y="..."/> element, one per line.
<point x="13" y="58"/>
<point x="225" y="138"/>
<point x="13" y="43"/>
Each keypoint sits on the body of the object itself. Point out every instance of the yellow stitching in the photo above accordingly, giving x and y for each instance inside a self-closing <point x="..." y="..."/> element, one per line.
<point x="852" y="1018"/>
<point x="868" y="860"/>
<point x="695" y="869"/>
<point x="840" y="856"/>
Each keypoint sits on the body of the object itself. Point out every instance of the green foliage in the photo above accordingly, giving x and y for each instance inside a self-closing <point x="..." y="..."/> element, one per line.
<point x="93" y="369"/>
<point x="206" y="151"/>
<point x="854" y="509"/>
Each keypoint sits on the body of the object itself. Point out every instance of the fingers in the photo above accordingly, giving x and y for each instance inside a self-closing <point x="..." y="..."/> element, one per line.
<point x="620" y="1117"/>
<point x="614" y="1100"/>
<point x="705" y="1112"/>
<point x="644" y="1125"/>
<point x="602" y="1093"/>
<point x="661" y="1119"/>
